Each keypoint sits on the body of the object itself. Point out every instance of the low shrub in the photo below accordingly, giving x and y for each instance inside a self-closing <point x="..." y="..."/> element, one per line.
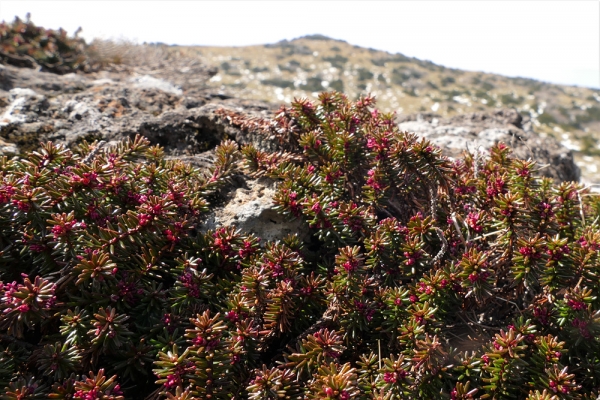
<point x="364" y="74"/>
<point x="591" y="114"/>
<point x="447" y="80"/>
<point x="313" y="84"/>
<point x="337" y="61"/>
<point x="337" y="85"/>
<point x="278" y="82"/>
<point x="546" y="118"/>
<point x="425" y="277"/>
<point x="390" y="58"/>
<point x="509" y="99"/>
<point x="399" y="76"/>
<point x="24" y="44"/>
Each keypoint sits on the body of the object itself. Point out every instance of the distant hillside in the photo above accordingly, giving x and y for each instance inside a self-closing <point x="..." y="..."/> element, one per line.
<point x="302" y="67"/>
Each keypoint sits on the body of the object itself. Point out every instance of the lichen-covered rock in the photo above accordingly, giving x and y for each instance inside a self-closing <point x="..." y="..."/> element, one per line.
<point x="480" y="131"/>
<point x="149" y="82"/>
<point x="22" y="120"/>
<point x="251" y="210"/>
<point x="116" y="106"/>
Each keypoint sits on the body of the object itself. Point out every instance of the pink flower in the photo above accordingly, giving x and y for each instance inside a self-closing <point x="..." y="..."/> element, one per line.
<point x="277" y="269"/>
<point x="529" y="252"/>
<point x="221" y="243"/>
<point x="91" y="395"/>
<point x="546" y="210"/>
<point x="371" y="142"/>
<point x="246" y="250"/>
<point x="474" y="222"/>
<point x="62" y="230"/>
<point x="306" y="290"/>
<point x="542" y="314"/>
<point x="454" y="394"/>
<point x="495" y="187"/>
<point x="116" y="391"/>
<point x="23" y="308"/>
<point x="478" y="277"/>
<point x="171" y="237"/>
<point x="232" y="316"/>
<point x="576" y="305"/>
<point x="349" y="266"/>
<point x="524" y="172"/>
<point x="373" y="182"/>
<point x="22" y="205"/>
<point x="390" y="377"/>
<point x="422" y="287"/>
<point x="172" y="381"/>
<point x="316" y="207"/>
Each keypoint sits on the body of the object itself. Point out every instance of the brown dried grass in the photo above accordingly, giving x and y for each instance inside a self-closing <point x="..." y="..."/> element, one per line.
<point x="104" y="54"/>
<point x="158" y="60"/>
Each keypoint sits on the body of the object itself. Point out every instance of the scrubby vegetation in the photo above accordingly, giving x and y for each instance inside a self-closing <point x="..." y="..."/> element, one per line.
<point x="409" y="85"/>
<point x="423" y="278"/>
<point x="22" y="43"/>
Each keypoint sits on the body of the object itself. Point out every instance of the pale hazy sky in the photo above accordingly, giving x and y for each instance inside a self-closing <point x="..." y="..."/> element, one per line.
<point x="553" y="41"/>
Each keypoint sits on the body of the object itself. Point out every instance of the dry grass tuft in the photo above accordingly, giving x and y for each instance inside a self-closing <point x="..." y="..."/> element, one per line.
<point x="105" y="54"/>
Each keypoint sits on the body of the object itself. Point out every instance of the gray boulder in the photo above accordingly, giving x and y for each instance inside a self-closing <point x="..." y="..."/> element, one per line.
<point x="480" y="131"/>
<point x="115" y="106"/>
<point x="251" y="210"/>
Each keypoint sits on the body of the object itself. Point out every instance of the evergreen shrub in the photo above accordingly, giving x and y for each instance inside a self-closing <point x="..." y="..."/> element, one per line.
<point x="425" y="277"/>
<point x="24" y="44"/>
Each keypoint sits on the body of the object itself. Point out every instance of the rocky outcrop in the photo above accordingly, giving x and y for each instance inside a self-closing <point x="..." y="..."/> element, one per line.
<point x="180" y="114"/>
<point x="39" y="106"/>
<point x="480" y="131"/>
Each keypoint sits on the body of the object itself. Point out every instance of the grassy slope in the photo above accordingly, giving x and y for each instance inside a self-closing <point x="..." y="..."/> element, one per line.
<point x="279" y="72"/>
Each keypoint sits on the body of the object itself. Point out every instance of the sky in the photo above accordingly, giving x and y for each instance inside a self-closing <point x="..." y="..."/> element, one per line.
<point x="551" y="41"/>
